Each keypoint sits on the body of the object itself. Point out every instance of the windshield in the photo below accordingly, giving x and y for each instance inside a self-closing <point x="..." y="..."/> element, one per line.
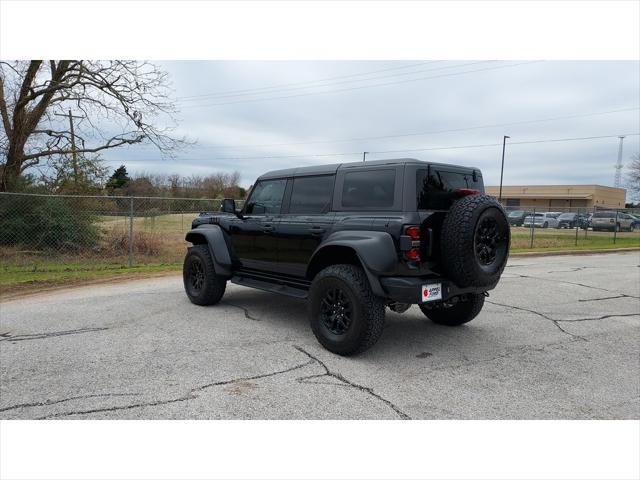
<point x="517" y="213"/>
<point x="567" y="216"/>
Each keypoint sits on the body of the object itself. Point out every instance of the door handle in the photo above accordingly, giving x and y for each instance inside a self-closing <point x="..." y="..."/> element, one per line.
<point x="267" y="228"/>
<point x="316" y="230"/>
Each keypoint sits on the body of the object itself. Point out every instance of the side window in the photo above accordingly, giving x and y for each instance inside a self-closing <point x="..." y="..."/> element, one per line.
<point x="369" y="188"/>
<point x="311" y="194"/>
<point x="266" y="197"/>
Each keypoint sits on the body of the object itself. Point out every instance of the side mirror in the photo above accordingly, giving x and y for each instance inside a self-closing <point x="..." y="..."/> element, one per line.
<point x="228" y="206"/>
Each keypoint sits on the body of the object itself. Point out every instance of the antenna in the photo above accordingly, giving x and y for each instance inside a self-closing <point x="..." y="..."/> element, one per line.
<point x="617" y="180"/>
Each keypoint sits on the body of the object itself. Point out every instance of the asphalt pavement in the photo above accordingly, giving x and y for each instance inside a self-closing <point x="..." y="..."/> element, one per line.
<point x="558" y="339"/>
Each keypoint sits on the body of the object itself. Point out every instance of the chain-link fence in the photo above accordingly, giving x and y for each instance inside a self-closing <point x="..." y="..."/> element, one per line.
<point x="45" y="233"/>
<point x="540" y="228"/>
<point x="68" y="233"/>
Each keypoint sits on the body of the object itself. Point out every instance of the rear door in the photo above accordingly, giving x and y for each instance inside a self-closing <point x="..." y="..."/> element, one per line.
<point x="306" y="219"/>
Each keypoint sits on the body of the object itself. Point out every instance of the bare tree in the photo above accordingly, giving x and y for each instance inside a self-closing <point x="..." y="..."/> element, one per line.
<point x="119" y="103"/>
<point x="633" y="177"/>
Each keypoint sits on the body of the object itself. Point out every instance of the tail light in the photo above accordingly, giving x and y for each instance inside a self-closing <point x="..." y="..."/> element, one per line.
<point x="463" y="192"/>
<point x="410" y="243"/>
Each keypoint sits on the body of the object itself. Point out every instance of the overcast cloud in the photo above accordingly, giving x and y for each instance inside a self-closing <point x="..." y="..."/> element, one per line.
<point x="225" y="134"/>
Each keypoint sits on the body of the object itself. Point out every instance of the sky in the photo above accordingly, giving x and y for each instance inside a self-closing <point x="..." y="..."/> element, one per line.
<point x="256" y="116"/>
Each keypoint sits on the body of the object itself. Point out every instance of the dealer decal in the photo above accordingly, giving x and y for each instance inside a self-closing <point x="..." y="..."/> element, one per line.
<point x="432" y="292"/>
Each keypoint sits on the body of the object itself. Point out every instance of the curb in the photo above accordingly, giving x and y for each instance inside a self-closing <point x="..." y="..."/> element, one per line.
<point x="574" y="252"/>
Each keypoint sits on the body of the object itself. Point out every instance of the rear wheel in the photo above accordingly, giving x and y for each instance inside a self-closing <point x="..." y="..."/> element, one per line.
<point x="545" y="225"/>
<point x="455" y="311"/>
<point x="345" y="316"/>
<point x="201" y="283"/>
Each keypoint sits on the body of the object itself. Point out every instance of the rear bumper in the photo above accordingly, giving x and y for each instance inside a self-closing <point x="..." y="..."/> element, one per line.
<point x="409" y="289"/>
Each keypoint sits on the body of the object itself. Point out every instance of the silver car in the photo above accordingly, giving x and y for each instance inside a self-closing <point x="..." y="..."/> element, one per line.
<point x="542" y="220"/>
<point x="609" y="220"/>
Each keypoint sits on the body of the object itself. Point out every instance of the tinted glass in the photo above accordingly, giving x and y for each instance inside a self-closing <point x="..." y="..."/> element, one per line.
<point x="604" y="215"/>
<point x="517" y="213"/>
<point x="567" y="216"/>
<point x="311" y="194"/>
<point x="436" y="188"/>
<point x="266" y="197"/>
<point x="371" y="188"/>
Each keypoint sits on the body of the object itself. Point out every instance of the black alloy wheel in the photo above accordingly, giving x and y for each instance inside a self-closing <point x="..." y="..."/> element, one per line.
<point x="487" y="240"/>
<point x="336" y="311"/>
<point x="196" y="275"/>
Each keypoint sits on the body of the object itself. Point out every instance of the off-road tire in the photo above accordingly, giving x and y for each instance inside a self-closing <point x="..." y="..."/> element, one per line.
<point x="456" y="314"/>
<point x="213" y="285"/>
<point x="459" y="259"/>
<point x="368" y="311"/>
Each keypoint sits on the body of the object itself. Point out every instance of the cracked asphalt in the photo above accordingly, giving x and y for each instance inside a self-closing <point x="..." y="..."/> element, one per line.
<point x="558" y="339"/>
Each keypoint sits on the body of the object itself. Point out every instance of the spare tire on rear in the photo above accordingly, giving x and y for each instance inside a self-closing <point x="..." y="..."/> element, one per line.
<point x="475" y="241"/>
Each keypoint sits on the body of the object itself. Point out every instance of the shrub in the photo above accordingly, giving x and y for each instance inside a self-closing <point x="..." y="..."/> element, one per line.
<point x="45" y="223"/>
<point x="116" y="242"/>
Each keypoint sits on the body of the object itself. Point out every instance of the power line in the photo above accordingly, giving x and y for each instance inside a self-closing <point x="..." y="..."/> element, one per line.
<point x="363" y="86"/>
<point x="413" y="150"/>
<point x="434" y="132"/>
<point x="309" y="81"/>
<point x="216" y="96"/>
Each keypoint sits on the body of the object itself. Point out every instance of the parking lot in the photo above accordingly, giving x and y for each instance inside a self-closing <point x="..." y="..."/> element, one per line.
<point x="559" y="338"/>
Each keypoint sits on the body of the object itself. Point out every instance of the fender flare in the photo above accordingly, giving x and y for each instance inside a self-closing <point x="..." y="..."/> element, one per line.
<point x="213" y="236"/>
<point x="375" y="250"/>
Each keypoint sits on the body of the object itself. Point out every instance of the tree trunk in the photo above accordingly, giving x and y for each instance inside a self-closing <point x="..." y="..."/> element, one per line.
<point x="13" y="167"/>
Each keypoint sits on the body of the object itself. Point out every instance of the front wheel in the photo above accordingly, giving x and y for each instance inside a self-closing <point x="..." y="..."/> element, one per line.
<point x="545" y="225"/>
<point x="345" y="316"/>
<point x="456" y="311"/>
<point x="201" y="283"/>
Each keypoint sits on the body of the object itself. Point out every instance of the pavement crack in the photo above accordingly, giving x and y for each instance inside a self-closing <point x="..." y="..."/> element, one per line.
<point x="68" y="399"/>
<point x="347" y="383"/>
<point x="247" y="315"/>
<point x="546" y="317"/>
<point x="254" y="377"/>
<point x="601" y="317"/>
<point x="553" y="280"/>
<point x="622" y="295"/>
<point x="192" y="395"/>
<point x="38" y="336"/>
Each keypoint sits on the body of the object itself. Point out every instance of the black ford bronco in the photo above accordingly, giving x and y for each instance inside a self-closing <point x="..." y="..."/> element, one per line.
<point x="353" y="239"/>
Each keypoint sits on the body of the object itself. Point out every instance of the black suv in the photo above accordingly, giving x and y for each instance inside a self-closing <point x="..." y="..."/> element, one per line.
<point x="353" y="239"/>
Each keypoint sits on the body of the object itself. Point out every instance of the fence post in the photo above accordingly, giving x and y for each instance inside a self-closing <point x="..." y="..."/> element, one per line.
<point x="533" y="226"/>
<point x="130" y="232"/>
<point x="615" y="227"/>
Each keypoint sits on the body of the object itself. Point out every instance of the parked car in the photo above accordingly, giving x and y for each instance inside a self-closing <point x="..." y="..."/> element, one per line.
<point x="571" y="220"/>
<point x="636" y="221"/>
<point x="353" y="239"/>
<point x="516" y="218"/>
<point x="542" y="220"/>
<point x="612" y="221"/>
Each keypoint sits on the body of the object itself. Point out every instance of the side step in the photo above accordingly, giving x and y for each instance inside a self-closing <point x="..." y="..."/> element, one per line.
<point x="269" y="287"/>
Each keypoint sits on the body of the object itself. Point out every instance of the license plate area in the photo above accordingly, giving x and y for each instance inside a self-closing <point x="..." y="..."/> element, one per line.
<point x="431" y="292"/>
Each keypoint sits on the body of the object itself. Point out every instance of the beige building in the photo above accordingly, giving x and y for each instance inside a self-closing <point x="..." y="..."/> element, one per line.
<point x="566" y="196"/>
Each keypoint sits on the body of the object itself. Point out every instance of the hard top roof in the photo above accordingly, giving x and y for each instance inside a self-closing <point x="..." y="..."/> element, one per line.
<point x="333" y="168"/>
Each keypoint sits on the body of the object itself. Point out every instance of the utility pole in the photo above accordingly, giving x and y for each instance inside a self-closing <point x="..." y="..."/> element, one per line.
<point x="74" y="155"/>
<point x="364" y="156"/>
<point x="504" y="142"/>
<point x="617" y="179"/>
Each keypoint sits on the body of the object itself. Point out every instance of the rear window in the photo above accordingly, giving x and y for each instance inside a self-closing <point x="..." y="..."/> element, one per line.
<point x="517" y="213"/>
<point x="604" y="214"/>
<point x="436" y="188"/>
<point x="369" y="188"/>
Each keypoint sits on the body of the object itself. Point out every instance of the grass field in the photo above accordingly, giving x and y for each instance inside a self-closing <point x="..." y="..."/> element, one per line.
<point x="159" y="246"/>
